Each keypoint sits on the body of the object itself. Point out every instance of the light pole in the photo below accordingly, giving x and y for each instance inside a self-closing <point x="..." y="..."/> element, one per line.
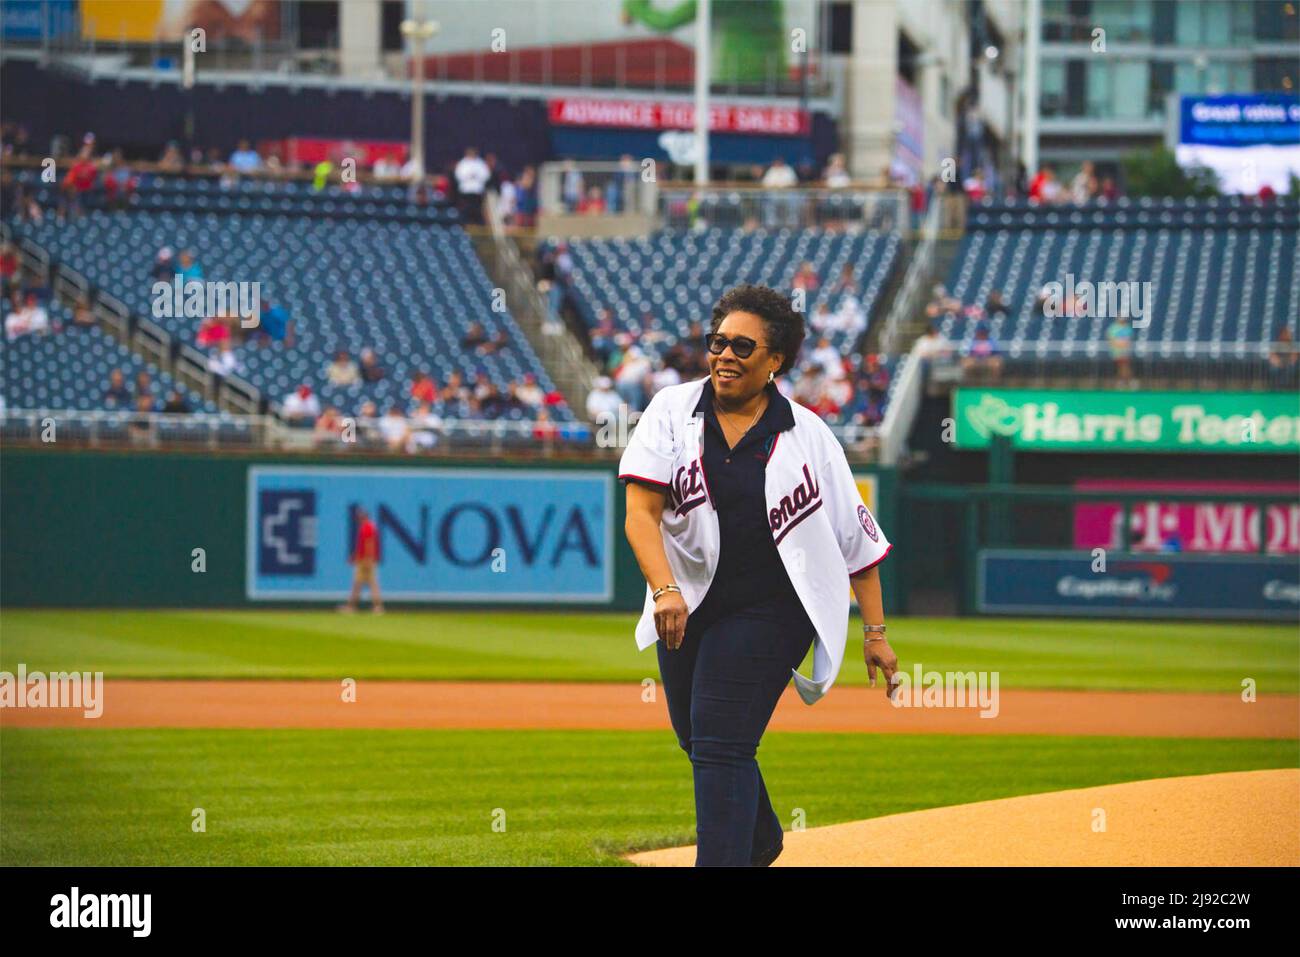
<point x="418" y="32"/>
<point x="703" y="73"/>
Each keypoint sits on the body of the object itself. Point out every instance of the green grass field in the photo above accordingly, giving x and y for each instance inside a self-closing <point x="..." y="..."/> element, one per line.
<point x="549" y="646"/>
<point x="124" y="796"/>
<point x="102" y="797"/>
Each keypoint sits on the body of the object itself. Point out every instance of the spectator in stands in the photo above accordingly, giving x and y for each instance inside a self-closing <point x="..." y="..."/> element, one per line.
<point x="145" y="407"/>
<point x="846" y="283"/>
<point x="526" y="198"/>
<point x="1044" y="188"/>
<point x="571" y="186"/>
<point x="530" y="393"/>
<point x="931" y="348"/>
<point x="328" y="429"/>
<point x="368" y="423"/>
<point x="119" y="183"/>
<point x="274" y="325"/>
<point x="1120" y="337"/>
<point x="423" y="388"/>
<point x="176" y="404"/>
<point x="836" y="174"/>
<point x="30" y="319"/>
<point x="806" y="278"/>
<point x="508" y="199"/>
<point x="82" y="315"/>
<point x="78" y="182"/>
<point x="544" y="430"/>
<point x="822" y="319"/>
<point x="117" y="395"/>
<point x="632" y="376"/>
<point x="850" y="318"/>
<point x="164" y="266"/>
<point x="780" y="175"/>
<point x="245" y="159"/>
<point x="1109" y="191"/>
<point x="223" y="361"/>
<point x="214" y="332"/>
<point x="602" y="401"/>
<point x="1083" y="188"/>
<point x="1283" y="359"/>
<point x="602" y="337"/>
<point x="511" y="403"/>
<point x="143" y="383"/>
<point x="995" y="307"/>
<point x="8" y="269"/>
<point x="982" y="354"/>
<point x="342" y="371"/>
<point x="973" y="186"/>
<point x="172" y="160"/>
<point x="593" y="203"/>
<point x="667" y="374"/>
<point x="386" y="167"/>
<point x="189" y="267"/>
<point x="425" y="429"/>
<point x="371" y="370"/>
<point x="827" y="357"/>
<point x="301" y="408"/>
<point x="472" y="175"/>
<point x="394" y="429"/>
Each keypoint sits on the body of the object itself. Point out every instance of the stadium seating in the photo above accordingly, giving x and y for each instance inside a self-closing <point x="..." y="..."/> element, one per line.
<point x="1224" y="273"/>
<point x="676" y="275"/>
<point x="70" y="369"/>
<point x="362" y="276"/>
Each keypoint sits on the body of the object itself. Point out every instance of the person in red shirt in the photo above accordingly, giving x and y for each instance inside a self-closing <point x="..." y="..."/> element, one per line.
<point x="364" y="559"/>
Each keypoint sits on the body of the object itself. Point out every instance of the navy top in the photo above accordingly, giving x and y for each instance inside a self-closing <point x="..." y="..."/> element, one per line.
<point x="750" y="576"/>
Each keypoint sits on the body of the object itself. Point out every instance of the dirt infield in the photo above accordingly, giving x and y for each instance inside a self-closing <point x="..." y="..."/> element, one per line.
<point x="437" y="704"/>
<point x="1215" y="820"/>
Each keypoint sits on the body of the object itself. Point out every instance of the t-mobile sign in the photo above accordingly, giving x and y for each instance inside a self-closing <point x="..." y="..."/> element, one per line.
<point x="1224" y="526"/>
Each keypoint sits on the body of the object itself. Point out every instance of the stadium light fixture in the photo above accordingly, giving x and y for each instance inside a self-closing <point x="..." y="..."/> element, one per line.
<point x="418" y="31"/>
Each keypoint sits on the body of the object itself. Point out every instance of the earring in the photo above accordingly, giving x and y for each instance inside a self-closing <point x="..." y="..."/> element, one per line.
<point x="771" y="376"/>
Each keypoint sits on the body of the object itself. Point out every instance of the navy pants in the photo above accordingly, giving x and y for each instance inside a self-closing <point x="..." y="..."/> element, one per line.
<point x="722" y="685"/>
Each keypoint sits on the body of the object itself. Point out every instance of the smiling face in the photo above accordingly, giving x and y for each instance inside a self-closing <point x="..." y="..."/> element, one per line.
<point x="737" y="380"/>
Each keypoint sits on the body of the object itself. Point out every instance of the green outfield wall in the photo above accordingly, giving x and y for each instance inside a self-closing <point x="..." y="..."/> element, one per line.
<point x="89" y="528"/>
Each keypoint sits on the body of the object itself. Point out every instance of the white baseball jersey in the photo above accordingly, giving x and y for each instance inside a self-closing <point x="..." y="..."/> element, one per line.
<point x="822" y="530"/>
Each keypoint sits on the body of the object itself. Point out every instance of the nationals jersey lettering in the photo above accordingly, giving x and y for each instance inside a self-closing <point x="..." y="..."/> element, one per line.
<point x="687" y="488"/>
<point x="795" y="507"/>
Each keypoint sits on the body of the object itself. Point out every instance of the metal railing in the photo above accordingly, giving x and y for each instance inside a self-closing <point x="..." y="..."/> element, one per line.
<point x="60" y="428"/>
<point x="684" y="206"/>
<point x="560" y="353"/>
<point x="609" y="189"/>
<point x="916" y="282"/>
<point x="1145" y="364"/>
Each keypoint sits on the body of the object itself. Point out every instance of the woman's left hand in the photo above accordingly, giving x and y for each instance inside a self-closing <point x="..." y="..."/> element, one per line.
<point x="878" y="654"/>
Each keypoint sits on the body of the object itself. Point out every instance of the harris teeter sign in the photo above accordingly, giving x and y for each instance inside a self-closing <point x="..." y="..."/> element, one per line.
<point x="1073" y="421"/>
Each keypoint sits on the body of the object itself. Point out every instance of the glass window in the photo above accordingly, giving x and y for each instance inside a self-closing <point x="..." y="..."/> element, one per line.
<point x="1099" y="86"/>
<point x="1129" y="97"/>
<point x="1052" y="88"/>
<point x="1125" y="21"/>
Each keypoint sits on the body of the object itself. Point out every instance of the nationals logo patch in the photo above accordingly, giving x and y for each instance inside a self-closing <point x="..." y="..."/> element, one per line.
<point x="868" y="523"/>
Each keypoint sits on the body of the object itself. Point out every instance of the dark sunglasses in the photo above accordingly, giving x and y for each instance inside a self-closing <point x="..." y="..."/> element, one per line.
<point x="741" y="346"/>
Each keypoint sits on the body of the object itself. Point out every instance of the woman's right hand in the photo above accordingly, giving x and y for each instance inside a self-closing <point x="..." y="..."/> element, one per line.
<point x="670" y="618"/>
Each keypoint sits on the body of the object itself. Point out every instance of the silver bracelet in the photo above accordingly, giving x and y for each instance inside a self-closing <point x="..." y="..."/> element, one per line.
<point x="654" y="596"/>
<point x="877" y="630"/>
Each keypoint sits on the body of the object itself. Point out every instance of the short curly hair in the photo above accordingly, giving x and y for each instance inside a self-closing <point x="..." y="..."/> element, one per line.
<point x="785" y="327"/>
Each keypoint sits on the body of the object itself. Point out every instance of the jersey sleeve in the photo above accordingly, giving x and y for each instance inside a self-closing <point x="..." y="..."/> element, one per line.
<point x="651" y="448"/>
<point x="862" y="541"/>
